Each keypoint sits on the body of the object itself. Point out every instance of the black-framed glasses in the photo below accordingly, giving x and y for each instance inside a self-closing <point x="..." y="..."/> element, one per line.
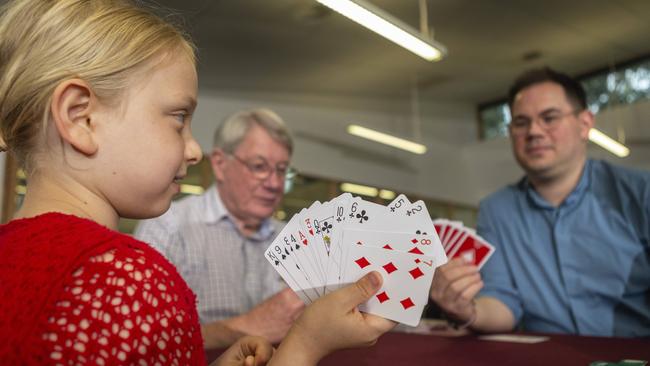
<point x="547" y="121"/>
<point x="262" y="170"/>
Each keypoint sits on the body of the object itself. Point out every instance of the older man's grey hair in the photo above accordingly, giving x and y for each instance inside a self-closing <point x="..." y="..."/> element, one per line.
<point x="233" y="130"/>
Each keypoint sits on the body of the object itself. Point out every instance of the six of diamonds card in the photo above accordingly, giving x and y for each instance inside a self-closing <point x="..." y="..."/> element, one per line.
<point x="334" y="243"/>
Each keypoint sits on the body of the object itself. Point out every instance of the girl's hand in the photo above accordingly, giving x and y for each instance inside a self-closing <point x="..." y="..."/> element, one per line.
<point x="247" y="351"/>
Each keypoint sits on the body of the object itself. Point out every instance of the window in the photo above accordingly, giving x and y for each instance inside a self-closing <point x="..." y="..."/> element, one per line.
<point x="606" y="88"/>
<point x="625" y="86"/>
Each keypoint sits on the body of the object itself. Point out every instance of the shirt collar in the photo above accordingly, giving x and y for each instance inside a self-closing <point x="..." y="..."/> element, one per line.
<point x="216" y="212"/>
<point x="576" y="194"/>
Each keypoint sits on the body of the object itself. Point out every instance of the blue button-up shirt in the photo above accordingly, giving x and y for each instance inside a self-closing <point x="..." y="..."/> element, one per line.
<point x="582" y="267"/>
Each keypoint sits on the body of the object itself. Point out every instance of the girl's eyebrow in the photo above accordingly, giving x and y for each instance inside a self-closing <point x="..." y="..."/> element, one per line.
<point x="190" y="101"/>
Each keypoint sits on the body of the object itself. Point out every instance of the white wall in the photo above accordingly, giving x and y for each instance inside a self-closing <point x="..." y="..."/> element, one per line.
<point x="323" y="147"/>
<point x="456" y="168"/>
<point x="633" y="123"/>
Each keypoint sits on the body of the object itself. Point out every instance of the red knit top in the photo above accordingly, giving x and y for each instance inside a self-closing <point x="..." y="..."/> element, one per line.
<point x="73" y="292"/>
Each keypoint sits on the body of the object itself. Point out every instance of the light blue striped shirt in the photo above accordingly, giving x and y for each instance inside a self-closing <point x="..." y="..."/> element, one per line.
<point x="581" y="268"/>
<point x="227" y="271"/>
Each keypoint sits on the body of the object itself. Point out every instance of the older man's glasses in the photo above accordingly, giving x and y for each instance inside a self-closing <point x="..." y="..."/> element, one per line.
<point x="262" y="170"/>
<point x="547" y="121"/>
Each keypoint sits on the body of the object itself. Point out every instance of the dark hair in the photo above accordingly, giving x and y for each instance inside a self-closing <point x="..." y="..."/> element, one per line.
<point x="575" y="93"/>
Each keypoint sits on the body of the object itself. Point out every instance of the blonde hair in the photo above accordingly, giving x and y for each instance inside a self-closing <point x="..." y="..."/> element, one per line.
<point x="233" y="130"/>
<point x="45" y="42"/>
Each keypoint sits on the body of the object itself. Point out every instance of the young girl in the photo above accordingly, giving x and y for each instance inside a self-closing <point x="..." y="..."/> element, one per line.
<point x="95" y="103"/>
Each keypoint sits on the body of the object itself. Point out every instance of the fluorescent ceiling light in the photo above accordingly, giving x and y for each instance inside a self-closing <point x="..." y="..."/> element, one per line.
<point x="191" y="189"/>
<point x="359" y="189"/>
<point x="386" y="194"/>
<point x="387" y="139"/>
<point x="21" y="189"/>
<point x="280" y="215"/>
<point x="367" y="191"/>
<point x="608" y="143"/>
<point x="388" y="27"/>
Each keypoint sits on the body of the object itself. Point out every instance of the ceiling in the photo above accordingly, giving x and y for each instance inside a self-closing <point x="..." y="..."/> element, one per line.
<point x="298" y="46"/>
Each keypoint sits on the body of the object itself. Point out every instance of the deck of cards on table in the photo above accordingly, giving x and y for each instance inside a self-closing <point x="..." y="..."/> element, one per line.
<point x="334" y="243"/>
<point x="463" y="242"/>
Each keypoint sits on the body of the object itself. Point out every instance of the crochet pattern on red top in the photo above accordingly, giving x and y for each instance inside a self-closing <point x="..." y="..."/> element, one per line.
<point x="74" y="293"/>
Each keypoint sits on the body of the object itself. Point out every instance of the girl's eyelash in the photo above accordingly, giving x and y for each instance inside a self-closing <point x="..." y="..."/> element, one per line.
<point x="180" y="117"/>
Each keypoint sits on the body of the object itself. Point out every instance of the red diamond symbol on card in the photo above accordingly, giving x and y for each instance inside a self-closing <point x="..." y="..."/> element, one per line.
<point x="414" y="240"/>
<point x="416" y="272"/>
<point x="382" y="297"/>
<point x="387" y="247"/>
<point x="311" y="231"/>
<point x="415" y="250"/>
<point x="304" y="241"/>
<point x="407" y="303"/>
<point x="417" y="260"/>
<point x="389" y="268"/>
<point x="362" y="262"/>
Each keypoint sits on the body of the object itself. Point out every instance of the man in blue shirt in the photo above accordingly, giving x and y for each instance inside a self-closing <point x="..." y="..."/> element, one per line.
<point x="572" y="237"/>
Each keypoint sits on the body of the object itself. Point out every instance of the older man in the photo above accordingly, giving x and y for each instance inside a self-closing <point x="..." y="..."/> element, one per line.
<point x="572" y="236"/>
<point x="217" y="240"/>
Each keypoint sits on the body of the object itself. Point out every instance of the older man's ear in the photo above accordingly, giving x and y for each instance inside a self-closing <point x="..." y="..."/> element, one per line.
<point x="217" y="162"/>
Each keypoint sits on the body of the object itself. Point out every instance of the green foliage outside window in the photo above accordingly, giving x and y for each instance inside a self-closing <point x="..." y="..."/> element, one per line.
<point x="605" y="89"/>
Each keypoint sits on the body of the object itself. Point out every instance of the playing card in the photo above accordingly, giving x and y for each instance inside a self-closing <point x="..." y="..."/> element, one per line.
<point x="286" y="253"/>
<point x="299" y="245"/>
<point x="273" y="255"/>
<point x="399" y="204"/>
<point x="417" y="220"/>
<point x="390" y="240"/>
<point x="308" y="229"/>
<point x="333" y="267"/>
<point x="473" y="250"/>
<point x="402" y="242"/>
<point x="406" y="281"/>
<point x="361" y="215"/>
<point x="515" y="338"/>
<point x="453" y="235"/>
<point x="441" y="226"/>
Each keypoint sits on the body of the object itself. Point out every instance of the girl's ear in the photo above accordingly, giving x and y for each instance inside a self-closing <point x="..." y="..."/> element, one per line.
<point x="70" y="107"/>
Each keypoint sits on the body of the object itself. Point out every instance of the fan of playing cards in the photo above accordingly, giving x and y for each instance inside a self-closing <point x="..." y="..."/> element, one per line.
<point x="463" y="242"/>
<point x="335" y="243"/>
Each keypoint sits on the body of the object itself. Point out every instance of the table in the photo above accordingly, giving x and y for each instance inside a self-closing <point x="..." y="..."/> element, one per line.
<point x="398" y="348"/>
<point x="413" y="349"/>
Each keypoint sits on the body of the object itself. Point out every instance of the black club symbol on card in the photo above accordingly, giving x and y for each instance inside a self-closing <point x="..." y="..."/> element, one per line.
<point x="326" y="227"/>
<point x="421" y="232"/>
<point x="362" y="216"/>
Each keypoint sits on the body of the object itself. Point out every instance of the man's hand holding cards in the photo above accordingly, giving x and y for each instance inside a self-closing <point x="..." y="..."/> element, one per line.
<point x="332" y="244"/>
